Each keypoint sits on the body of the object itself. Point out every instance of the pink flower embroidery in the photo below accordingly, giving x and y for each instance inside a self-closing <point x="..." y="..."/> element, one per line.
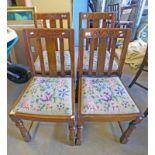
<point x="61" y="83"/>
<point x="112" y="83"/>
<point x="26" y="105"/>
<point x="48" y="106"/>
<point x="92" y="106"/>
<point x="115" y="106"/>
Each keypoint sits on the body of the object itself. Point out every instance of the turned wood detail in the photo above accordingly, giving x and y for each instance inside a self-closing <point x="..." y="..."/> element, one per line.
<point x="131" y="127"/>
<point x="72" y="130"/>
<point x="24" y="132"/>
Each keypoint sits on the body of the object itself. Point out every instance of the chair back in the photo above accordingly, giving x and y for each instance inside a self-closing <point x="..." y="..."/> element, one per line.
<point x="103" y="36"/>
<point x="52" y="20"/>
<point x="49" y="36"/>
<point x="96" y="20"/>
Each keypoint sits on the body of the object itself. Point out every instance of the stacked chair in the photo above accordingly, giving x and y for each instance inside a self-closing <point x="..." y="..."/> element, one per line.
<point x="96" y="20"/>
<point x="50" y="94"/>
<point x="52" y="20"/>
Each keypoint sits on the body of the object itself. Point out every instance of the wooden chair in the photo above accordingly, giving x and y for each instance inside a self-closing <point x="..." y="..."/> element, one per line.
<point x="99" y="20"/>
<point x="102" y="96"/>
<point x="52" y="20"/>
<point x="127" y="16"/>
<point x="49" y="97"/>
<point x="141" y="69"/>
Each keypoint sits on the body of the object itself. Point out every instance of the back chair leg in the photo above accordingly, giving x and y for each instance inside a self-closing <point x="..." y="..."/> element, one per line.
<point x="79" y="132"/>
<point x="135" y="78"/>
<point x="72" y="131"/>
<point x="21" y="127"/>
<point x="131" y="127"/>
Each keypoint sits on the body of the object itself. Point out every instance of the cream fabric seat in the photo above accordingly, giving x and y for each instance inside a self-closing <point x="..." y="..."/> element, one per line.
<point x="45" y="95"/>
<point x="106" y="96"/>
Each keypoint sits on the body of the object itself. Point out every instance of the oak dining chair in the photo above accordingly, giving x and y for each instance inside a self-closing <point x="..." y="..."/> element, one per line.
<point x="52" y="20"/>
<point x="48" y="97"/>
<point x="102" y="96"/>
<point x="143" y="68"/>
<point x="95" y="20"/>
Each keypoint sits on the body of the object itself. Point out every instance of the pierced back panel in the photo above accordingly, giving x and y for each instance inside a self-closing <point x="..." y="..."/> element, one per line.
<point x="103" y="36"/>
<point x="96" y="20"/>
<point x="49" y="36"/>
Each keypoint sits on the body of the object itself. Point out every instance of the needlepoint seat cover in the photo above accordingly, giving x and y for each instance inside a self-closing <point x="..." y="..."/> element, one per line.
<point x="105" y="96"/>
<point x="49" y="96"/>
<point x="67" y="61"/>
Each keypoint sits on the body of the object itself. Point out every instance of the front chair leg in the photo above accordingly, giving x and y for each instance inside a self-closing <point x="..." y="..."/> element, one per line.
<point x="72" y="131"/>
<point x="21" y="127"/>
<point x="24" y="132"/>
<point x="131" y="127"/>
<point x="79" y="132"/>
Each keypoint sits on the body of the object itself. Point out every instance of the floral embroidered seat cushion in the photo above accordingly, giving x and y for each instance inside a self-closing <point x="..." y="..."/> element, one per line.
<point x="106" y="96"/>
<point x="67" y="61"/>
<point x="49" y="96"/>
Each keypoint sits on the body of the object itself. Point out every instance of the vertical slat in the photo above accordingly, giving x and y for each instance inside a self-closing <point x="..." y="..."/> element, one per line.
<point x="124" y="50"/>
<point x="62" y="56"/>
<point x="113" y="21"/>
<point x="87" y="39"/>
<point x="101" y="56"/>
<point x="51" y="52"/>
<point x="44" y="23"/>
<point x="53" y="25"/>
<point x="96" y="25"/>
<point x="112" y="54"/>
<point x="40" y="53"/>
<point x="81" y="50"/>
<point x="68" y="20"/>
<point x="104" y="23"/>
<point x="71" y="49"/>
<point x="91" y="56"/>
<point x="61" y="23"/>
<point x="28" y="52"/>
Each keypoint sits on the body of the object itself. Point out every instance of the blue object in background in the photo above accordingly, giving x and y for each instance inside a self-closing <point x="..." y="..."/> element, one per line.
<point x="78" y="6"/>
<point x="11" y="44"/>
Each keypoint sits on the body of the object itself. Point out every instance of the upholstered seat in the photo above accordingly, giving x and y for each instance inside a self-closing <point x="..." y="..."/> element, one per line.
<point x="105" y="95"/>
<point x="45" y="95"/>
<point x="67" y="61"/>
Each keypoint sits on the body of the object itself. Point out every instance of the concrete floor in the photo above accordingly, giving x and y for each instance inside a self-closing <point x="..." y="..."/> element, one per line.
<point x="98" y="138"/>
